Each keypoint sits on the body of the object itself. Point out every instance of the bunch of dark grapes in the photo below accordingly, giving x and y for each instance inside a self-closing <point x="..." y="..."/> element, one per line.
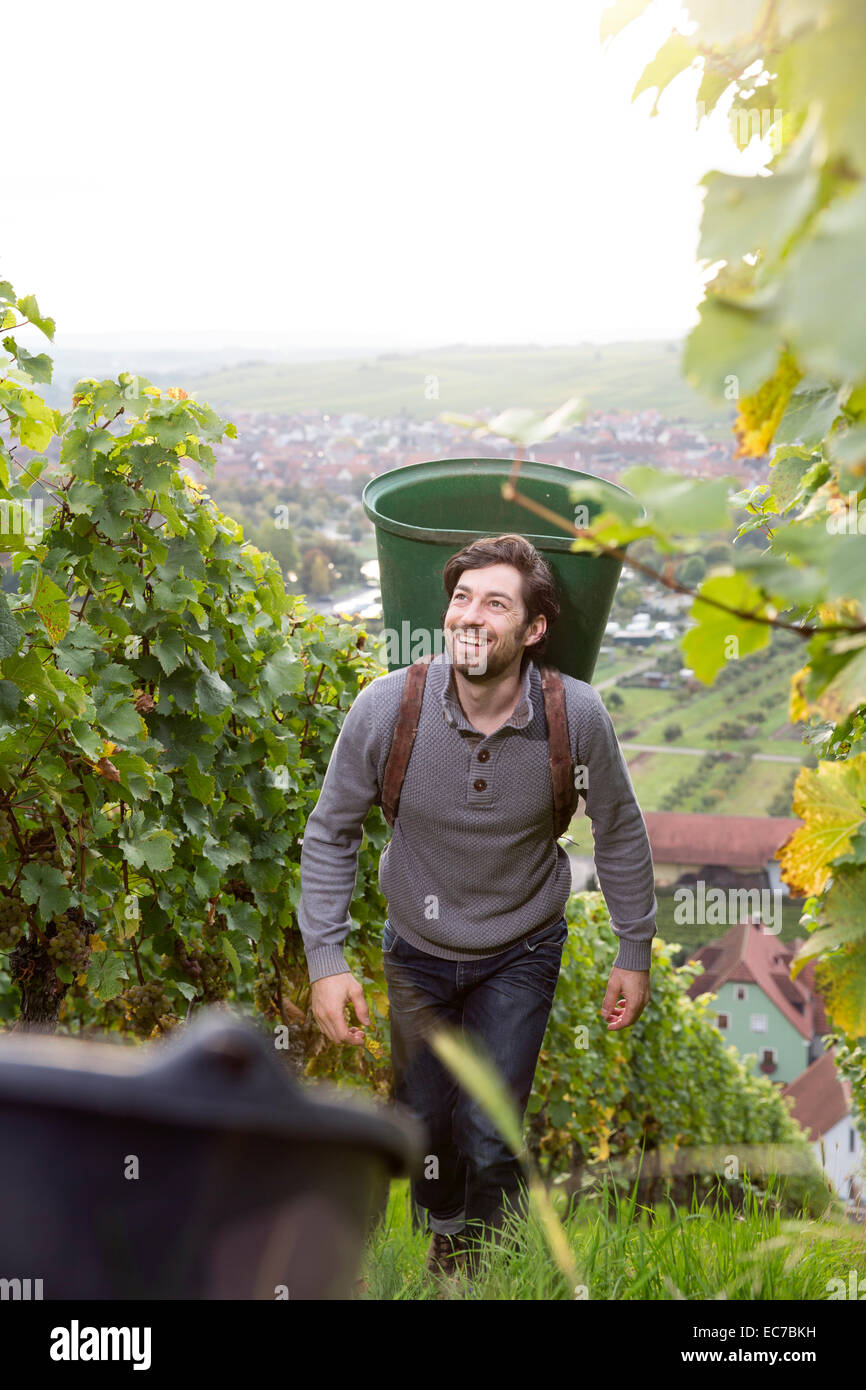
<point x="240" y="889"/>
<point x="145" y="1005"/>
<point x="209" y="970"/>
<point x="69" y="945"/>
<point x="13" y="915"/>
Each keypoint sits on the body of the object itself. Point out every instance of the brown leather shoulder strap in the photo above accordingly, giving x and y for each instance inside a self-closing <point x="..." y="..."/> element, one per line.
<point x="404" y="736"/>
<point x="558" y="748"/>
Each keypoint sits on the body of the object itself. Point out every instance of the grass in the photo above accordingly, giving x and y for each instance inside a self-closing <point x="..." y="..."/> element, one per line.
<point x="758" y="788"/>
<point x="600" y="1243"/>
<point x="655" y="774"/>
<point x="644" y="706"/>
<point x="624" y="1250"/>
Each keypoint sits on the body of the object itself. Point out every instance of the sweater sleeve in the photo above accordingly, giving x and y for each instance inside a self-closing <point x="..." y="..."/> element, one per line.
<point x="332" y="839"/>
<point x="623" y="859"/>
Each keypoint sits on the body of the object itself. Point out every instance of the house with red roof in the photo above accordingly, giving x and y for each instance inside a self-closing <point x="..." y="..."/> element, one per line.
<point x="759" y="1008"/>
<point x="686" y="844"/>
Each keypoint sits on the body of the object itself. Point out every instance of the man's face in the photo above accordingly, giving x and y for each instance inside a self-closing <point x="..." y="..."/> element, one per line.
<point x="485" y="625"/>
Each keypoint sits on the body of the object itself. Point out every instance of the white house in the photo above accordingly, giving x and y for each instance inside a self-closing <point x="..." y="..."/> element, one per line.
<point x="822" y="1106"/>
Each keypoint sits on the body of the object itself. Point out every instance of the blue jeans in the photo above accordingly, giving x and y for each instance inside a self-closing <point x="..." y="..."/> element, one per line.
<point x="504" y="1002"/>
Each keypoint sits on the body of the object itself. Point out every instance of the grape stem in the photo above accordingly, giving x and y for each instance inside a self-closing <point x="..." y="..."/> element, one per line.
<point x="135" y="954"/>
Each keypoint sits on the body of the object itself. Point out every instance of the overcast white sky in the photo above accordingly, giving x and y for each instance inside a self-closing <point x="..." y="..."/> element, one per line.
<point x="350" y="172"/>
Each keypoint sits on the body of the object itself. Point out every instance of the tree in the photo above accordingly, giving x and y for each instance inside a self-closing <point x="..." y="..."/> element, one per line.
<point x="672" y="732"/>
<point x="315" y="574"/>
<point x="692" y="570"/>
<point x="279" y="542"/>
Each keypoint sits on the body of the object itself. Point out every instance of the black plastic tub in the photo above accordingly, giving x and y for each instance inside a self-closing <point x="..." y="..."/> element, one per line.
<point x="195" y="1168"/>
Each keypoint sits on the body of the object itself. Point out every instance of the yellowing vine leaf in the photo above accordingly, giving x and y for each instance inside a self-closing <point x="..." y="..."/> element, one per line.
<point x="798" y="708"/>
<point x="842" y="920"/>
<point x="51" y="604"/>
<point x="831" y="800"/>
<point x="842" y="982"/>
<point x="759" y="414"/>
<point x="602" y="1152"/>
<point x="846" y="691"/>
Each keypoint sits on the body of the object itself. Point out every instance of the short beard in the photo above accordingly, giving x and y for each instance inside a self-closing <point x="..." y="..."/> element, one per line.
<point x="494" y="665"/>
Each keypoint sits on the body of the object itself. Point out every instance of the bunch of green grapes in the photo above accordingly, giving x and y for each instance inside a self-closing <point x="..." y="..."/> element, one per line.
<point x="263" y="996"/>
<point x="144" y="1005"/>
<point x="13" y="915"/>
<point x="69" y="945"/>
<point x="54" y="859"/>
<point x="216" y="970"/>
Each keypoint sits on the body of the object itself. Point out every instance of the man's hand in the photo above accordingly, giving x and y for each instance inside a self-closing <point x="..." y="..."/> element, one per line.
<point x="626" y="997"/>
<point x="330" y="996"/>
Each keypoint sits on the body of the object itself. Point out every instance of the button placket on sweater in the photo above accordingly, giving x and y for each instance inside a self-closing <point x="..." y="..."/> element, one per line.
<point x="481" y="781"/>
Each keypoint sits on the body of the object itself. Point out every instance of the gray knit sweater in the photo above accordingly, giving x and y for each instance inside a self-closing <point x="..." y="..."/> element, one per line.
<point x="472" y="865"/>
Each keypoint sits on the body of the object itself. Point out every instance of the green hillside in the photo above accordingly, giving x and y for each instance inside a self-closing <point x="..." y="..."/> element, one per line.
<point x="614" y="376"/>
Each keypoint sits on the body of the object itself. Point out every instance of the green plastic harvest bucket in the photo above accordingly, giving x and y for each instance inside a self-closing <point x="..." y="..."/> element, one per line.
<point x="426" y="512"/>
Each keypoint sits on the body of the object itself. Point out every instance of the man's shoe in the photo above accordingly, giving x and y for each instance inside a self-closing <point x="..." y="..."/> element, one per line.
<point x="446" y="1254"/>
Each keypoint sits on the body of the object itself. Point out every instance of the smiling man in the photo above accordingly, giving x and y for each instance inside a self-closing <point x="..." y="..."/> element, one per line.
<point x="475" y="881"/>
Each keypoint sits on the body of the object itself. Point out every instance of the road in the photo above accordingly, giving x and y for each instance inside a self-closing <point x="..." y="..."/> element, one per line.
<point x="355" y="603"/>
<point x="671" y="748"/>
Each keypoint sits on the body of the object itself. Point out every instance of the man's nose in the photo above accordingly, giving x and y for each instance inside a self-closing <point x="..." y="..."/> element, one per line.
<point x="471" y="616"/>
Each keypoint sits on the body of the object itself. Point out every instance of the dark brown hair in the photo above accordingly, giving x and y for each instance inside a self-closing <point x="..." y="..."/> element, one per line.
<point x="537" y="585"/>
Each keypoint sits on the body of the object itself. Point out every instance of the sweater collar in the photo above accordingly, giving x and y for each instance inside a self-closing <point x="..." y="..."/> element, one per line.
<point x="452" y="711"/>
